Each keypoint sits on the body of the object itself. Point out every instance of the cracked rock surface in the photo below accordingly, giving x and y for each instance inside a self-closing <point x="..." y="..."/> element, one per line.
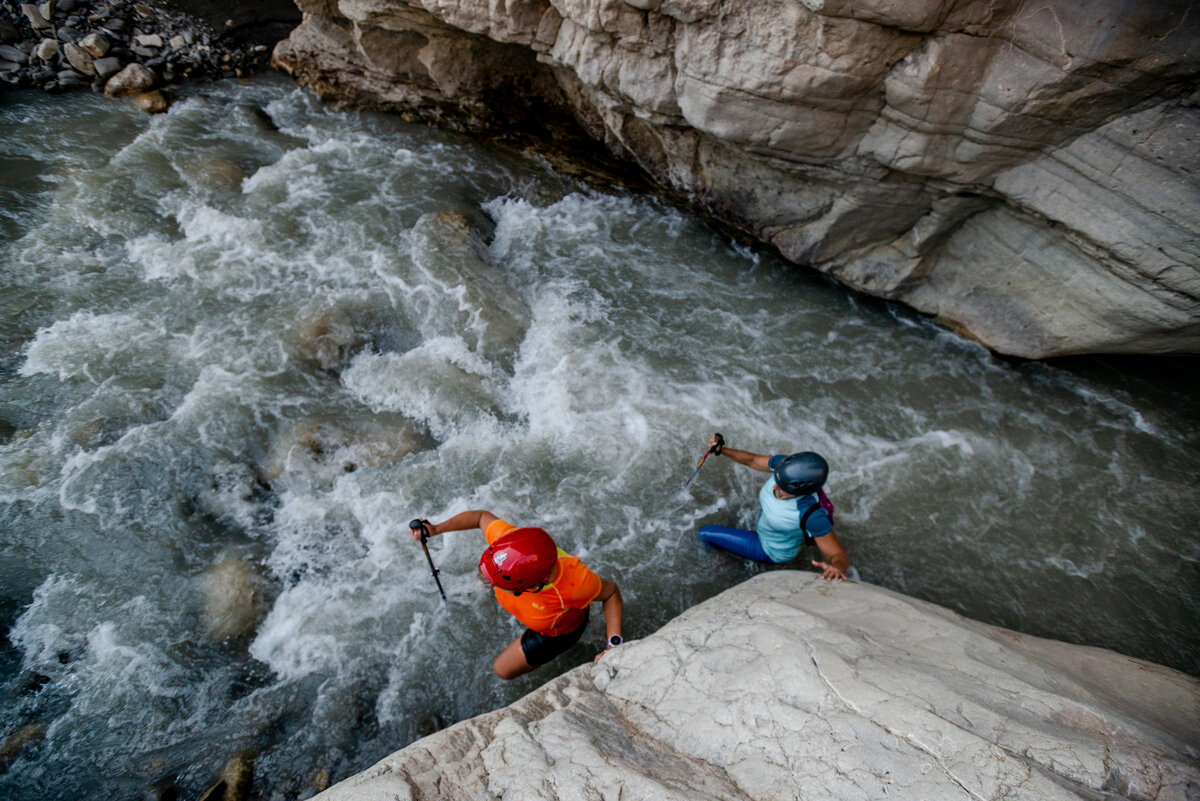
<point x="1027" y="171"/>
<point x="786" y="687"/>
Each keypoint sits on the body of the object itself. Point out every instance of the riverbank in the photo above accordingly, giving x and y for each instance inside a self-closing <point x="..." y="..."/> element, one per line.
<point x="786" y="687"/>
<point x="121" y="47"/>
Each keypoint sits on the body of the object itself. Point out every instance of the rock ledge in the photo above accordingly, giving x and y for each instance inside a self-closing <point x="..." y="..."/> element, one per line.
<point x="786" y="688"/>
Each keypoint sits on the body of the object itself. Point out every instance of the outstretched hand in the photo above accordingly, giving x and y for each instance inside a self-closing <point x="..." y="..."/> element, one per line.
<point x="829" y="572"/>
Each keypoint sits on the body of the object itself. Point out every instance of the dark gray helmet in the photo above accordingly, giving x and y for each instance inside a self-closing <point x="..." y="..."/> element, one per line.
<point x="802" y="473"/>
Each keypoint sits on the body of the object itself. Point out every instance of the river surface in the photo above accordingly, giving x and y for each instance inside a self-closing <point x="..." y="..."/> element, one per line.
<point x="245" y="342"/>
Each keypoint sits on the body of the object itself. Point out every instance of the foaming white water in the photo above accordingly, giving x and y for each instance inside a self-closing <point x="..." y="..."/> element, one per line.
<point x="290" y="330"/>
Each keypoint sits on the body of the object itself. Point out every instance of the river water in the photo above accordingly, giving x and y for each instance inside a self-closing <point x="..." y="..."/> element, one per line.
<point x="244" y="343"/>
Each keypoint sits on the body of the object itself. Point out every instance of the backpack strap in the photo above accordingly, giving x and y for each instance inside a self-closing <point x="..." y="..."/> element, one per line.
<point x="804" y="515"/>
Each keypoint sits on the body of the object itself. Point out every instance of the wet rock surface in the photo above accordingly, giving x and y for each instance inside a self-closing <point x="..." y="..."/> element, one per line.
<point x="78" y="44"/>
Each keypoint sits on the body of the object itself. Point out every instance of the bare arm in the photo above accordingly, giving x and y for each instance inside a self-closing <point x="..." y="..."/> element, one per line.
<point x="476" y="518"/>
<point x="613" y="605"/>
<point x="837" y="560"/>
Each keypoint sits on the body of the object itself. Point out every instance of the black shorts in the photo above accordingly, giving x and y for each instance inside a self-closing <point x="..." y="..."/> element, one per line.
<point x="541" y="648"/>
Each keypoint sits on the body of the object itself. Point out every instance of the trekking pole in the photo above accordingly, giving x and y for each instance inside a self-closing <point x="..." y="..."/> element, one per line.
<point x="423" y="525"/>
<point x="720" y="444"/>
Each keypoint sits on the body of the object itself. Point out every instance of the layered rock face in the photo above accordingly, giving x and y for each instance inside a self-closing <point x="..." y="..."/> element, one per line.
<point x="1025" y="170"/>
<point x="786" y="687"/>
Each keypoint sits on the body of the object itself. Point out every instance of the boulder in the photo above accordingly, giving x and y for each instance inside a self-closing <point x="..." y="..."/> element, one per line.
<point x="80" y="59"/>
<point x="35" y="17"/>
<point x="787" y="687"/>
<point x="154" y="102"/>
<point x="133" y="79"/>
<point x="47" y="49"/>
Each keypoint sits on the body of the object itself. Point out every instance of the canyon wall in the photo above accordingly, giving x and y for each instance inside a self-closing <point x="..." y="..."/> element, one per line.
<point x="1023" y="170"/>
<point x="786" y="687"/>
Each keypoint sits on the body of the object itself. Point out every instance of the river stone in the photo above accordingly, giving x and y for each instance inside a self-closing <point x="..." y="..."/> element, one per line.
<point x="35" y="17"/>
<point x="80" y="59"/>
<point x="95" y="44"/>
<point x="133" y="79"/>
<point x="151" y="40"/>
<point x="787" y="687"/>
<point x="10" y="53"/>
<point x="47" y="49"/>
<point x="107" y="67"/>
<point x="153" y="102"/>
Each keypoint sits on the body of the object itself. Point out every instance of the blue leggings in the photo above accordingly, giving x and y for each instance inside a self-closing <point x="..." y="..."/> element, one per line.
<point x="735" y="540"/>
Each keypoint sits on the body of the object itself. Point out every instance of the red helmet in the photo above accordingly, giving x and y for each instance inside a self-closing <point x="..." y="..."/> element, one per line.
<point x="520" y="559"/>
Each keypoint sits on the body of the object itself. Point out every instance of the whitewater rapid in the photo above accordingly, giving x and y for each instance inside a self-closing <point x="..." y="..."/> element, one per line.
<point x="261" y="332"/>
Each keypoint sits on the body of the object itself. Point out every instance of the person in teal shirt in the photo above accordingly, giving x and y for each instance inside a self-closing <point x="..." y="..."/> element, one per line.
<point x="790" y="513"/>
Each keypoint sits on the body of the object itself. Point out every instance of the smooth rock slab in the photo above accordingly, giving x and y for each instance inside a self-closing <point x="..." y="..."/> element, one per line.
<point x="786" y="687"/>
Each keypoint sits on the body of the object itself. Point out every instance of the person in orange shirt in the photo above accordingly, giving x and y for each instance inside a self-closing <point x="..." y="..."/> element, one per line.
<point x="544" y="587"/>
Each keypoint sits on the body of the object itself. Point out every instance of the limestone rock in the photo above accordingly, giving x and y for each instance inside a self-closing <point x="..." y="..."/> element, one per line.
<point x="786" y="687"/>
<point x="898" y="145"/>
<point x="132" y="80"/>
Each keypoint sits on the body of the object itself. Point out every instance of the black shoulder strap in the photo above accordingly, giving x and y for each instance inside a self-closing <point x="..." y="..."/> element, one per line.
<point x="808" y="539"/>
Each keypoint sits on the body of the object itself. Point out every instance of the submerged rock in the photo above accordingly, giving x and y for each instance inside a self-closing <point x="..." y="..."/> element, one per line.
<point x="235" y="783"/>
<point x="321" y="449"/>
<point x="234" y="599"/>
<point x="787" y="687"/>
<point x="475" y="299"/>
<point x="17" y="741"/>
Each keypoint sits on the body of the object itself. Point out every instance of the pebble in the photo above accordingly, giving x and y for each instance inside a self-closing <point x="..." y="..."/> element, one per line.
<point x="149" y="40"/>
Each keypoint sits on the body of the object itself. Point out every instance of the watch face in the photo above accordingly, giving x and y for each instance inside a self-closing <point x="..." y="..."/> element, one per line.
<point x="615" y="640"/>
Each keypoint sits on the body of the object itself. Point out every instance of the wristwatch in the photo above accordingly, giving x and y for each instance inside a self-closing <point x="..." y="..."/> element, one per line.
<point x="614" y="641"/>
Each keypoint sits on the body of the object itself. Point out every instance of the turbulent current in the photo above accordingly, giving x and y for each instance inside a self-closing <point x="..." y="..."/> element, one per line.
<point x="243" y="343"/>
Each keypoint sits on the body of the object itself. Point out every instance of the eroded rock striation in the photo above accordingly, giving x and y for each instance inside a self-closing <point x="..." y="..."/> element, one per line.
<point x="1025" y="170"/>
<point x="786" y="687"/>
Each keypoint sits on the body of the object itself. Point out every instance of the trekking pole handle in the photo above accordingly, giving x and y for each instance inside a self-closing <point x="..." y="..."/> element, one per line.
<point x="719" y="446"/>
<point x="417" y="524"/>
